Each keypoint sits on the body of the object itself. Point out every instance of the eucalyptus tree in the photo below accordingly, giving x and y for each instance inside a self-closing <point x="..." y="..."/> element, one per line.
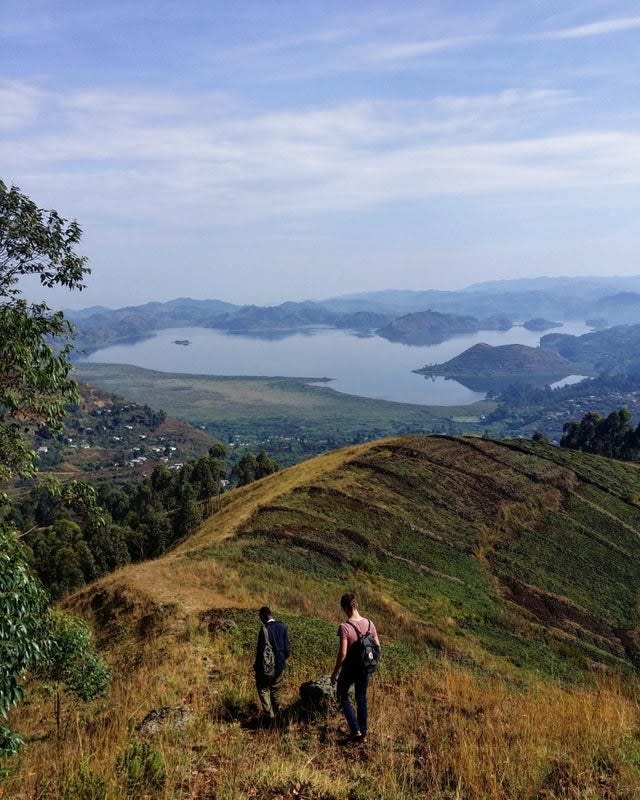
<point x="35" y="387"/>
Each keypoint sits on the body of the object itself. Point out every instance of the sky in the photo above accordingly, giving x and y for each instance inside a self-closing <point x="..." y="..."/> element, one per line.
<point x="265" y="151"/>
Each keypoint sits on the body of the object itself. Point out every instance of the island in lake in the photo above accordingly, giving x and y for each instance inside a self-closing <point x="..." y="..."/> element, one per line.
<point x="541" y="324"/>
<point x="183" y="342"/>
<point x="484" y="368"/>
<point x="433" y="327"/>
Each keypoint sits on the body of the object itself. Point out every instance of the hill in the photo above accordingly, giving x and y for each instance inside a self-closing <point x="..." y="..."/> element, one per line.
<point x="110" y="438"/>
<point x="610" y="351"/>
<point x="99" y="328"/>
<point x="432" y="327"/>
<point x="492" y="569"/>
<point x="483" y="367"/>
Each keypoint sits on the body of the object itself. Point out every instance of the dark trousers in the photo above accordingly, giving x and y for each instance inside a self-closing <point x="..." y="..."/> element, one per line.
<point x="357" y="722"/>
<point x="269" y="692"/>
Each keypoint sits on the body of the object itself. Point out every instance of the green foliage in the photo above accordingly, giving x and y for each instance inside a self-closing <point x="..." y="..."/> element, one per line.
<point x="85" y="785"/>
<point x="35" y="388"/>
<point x="250" y="468"/>
<point x="61" y="557"/>
<point x="141" y="767"/>
<point x="72" y="658"/>
<point x="35" y="385"/>
<point x="612" y="436"/>
<point x="75" y="533"/>
<point x="24" y="627"/>
<point x="73" y="664"/>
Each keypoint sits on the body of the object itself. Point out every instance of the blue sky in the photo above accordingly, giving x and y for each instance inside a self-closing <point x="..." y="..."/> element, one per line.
<point x="263" y="151"/>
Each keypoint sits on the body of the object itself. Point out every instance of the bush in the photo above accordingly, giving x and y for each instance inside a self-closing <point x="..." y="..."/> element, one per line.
<point x="85" y="785"/>
<point x="141" y="767"/>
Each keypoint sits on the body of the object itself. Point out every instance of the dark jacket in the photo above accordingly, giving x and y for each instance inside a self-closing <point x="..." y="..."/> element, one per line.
<point x="279" y="638"/>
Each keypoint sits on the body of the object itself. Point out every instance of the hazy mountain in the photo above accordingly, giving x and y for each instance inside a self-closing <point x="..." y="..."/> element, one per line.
<point x="613" y="350"/>
<point x="518" y="300"/>
<point x="432" y="327"/>
<point x="595" y="286"/>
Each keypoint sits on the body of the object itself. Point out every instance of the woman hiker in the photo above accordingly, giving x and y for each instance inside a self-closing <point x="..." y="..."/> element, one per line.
<point x="350" y="670"/>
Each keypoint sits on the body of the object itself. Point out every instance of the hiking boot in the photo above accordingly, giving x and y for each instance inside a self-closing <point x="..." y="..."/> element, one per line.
<point x="353" y="738"/>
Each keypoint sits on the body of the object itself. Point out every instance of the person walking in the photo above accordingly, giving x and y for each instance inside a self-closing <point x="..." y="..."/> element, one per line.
<point x="349" y="668"/>
<point x="269" y="666"/>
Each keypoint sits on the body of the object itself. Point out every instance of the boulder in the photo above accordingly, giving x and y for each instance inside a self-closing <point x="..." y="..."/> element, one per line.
<point x="318" y="694"/>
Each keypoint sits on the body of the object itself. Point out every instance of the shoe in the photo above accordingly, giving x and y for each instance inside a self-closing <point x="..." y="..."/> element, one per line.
<point x="353" y="738"/>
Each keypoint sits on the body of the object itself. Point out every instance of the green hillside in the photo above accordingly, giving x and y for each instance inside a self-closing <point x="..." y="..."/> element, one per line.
<point x="503" y="578"/>
<point x="483" y="366"/>
<point x="522" y="552"/>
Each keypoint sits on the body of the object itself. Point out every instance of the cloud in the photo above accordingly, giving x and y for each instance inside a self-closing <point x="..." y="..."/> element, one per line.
<point x="601" y="28"/>
<point x="405" y="50"/>
<point x="198" y="161"/>
<point x="19" y="104"/>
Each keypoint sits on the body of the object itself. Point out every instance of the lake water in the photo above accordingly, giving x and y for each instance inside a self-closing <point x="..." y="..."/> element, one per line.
<point x="362" y="365"/>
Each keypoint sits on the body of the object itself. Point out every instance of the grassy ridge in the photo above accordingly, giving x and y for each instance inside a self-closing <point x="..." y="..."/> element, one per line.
<point x="492" y="569"/>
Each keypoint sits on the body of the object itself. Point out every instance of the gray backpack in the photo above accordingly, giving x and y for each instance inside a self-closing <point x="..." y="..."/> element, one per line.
<point x="268" y="656"/>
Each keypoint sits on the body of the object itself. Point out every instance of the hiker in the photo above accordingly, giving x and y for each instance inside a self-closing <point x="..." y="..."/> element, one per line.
<point x="357" y="637"/>
<point x="272" y="652"/>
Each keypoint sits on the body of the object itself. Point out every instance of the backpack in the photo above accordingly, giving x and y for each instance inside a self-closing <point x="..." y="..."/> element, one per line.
<point x="364" y="653"/>
<point x="268" y="656"/>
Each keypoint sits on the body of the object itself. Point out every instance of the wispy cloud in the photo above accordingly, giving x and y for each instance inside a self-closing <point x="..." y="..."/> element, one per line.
<point x="402" y="51"/>
<point x="150" y="156"/>
<point x="600" y="28"/>
<point x="19" y="105"/>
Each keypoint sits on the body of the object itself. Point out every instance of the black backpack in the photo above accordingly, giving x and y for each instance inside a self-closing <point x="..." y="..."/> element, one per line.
<point x="364" y="653"/>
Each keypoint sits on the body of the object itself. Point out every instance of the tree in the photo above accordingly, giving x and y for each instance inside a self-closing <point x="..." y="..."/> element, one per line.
<point x="612" y="436"/>
<point x="24" y="627"/>
<point x="35" y="385"/>
<point x="245" y="470"/>
<point x="73" y="664"/>
<point x="250" y="468"/>
<point x="265" y="465"/>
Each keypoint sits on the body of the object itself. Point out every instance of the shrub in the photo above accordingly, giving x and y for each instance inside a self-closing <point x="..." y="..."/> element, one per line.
<point x="141" y="767"/>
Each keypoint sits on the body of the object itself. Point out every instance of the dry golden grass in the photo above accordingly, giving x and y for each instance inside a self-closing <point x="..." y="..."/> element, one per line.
<point x="440" y="733"/>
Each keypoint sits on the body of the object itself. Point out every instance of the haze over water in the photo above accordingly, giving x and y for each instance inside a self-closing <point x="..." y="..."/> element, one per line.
<point x="368" y="366"/>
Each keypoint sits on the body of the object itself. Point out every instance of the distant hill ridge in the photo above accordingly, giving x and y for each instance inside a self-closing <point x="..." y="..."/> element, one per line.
<point x="550" y="298"/>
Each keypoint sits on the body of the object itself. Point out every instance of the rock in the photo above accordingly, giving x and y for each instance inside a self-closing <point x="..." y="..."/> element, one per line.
<point x="167" y="717"/>
<point x="318" y="694"/>
<point x="216" y="623"/>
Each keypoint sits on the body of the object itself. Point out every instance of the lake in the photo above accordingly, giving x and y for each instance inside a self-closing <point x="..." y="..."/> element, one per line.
<point x="362" y="365"/>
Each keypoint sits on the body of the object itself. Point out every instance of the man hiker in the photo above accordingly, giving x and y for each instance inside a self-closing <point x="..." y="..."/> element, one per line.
<point x="357" y="657"/>
<point x="272" y="652"/>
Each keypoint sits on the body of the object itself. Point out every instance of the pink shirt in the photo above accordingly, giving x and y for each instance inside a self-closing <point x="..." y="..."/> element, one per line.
<point x="346" y="631"/>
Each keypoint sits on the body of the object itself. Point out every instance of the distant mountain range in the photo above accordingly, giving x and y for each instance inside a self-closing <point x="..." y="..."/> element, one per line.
<point x="413" y="317"/>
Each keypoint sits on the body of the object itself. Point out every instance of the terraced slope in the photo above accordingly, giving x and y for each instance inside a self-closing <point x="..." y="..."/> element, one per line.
<point x="511" y="554"/>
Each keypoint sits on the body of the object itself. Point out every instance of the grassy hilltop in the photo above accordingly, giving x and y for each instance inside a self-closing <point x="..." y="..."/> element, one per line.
<point x="503" y="577"/>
